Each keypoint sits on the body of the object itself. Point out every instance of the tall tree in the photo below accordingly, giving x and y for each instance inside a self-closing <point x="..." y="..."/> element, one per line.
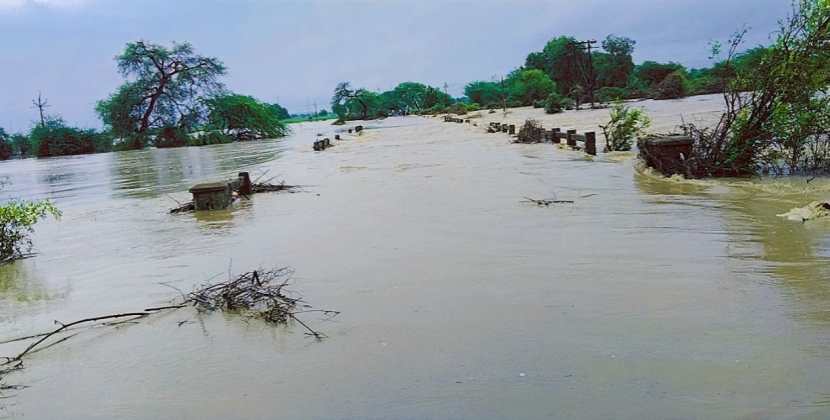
<point x="164" y="85"/>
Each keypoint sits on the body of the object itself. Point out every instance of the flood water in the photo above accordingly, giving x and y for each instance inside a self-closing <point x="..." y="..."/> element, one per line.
<point x="646" y="298"/>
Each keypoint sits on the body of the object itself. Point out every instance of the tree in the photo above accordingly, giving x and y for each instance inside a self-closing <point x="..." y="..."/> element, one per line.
<point x="564" y="62"/>
<point x="280" y="111"/>
<point x="163" y="88"/>
<point x="244" y="117"/>
<point x="356" y="104"/>
<point x="625" y="125"/>
<point x="614" y="67"/>
<point x="529" y="86"/>
<point x="650" y="73"/>
<point x="484" y="93"/>
<point x="672" y="87"/>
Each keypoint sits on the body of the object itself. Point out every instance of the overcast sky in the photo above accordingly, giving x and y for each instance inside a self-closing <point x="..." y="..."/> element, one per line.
<point x="295" y="52"/>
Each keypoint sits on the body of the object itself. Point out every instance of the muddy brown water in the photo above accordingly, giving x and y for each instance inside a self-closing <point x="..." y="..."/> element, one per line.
<point x="646" y="298"/>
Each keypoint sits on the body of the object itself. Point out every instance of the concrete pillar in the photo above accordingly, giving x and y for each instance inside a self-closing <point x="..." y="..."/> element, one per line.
<point x="554" y="136"/>
<point x="591" y="143"/>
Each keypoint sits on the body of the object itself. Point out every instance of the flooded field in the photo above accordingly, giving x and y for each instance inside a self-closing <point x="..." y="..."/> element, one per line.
<point x="645" y="298"/>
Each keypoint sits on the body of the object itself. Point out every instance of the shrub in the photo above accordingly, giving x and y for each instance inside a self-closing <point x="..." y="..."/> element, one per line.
<point x="457" y="108"/>
<point x="672" y="87"/>
<point x="55" y="138"/>
<point x="530" y="132"/>
<point x="211" y="137"/>
<point x="473" y="107"/>
<point x="16" y="221"/>
<point x="539" y="103"/>
<point x="625" y="125"/>
<point x="556" y="103"/>
<point x="611" y="94"/>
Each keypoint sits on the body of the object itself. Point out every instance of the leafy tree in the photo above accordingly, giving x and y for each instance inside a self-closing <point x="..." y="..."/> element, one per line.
<point x="484" y="93"/>
<point x="614" y="67"/>
<point x="244" y="117"/>
<point x="164" y="88"/>
<point x="280" y="111"/>
<point x="17" y="219"/>
<point x="350" y="99"/>
<point x="528" y="86"/>
<point x="650" y="73"/>
<point x="564" y="62"/>
<point x="434" y="96"/>
<point x="556" y="103"/>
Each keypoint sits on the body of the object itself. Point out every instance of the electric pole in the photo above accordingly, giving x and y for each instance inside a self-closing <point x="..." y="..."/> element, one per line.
<point x="586" y="46"/>
<point x="41" y="104"/>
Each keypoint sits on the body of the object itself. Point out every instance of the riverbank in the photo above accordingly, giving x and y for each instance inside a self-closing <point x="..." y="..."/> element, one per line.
<point x="644" y="298"/>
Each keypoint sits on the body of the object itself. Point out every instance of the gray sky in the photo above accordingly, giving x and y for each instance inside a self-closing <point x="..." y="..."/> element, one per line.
<point x="295" y="52"/>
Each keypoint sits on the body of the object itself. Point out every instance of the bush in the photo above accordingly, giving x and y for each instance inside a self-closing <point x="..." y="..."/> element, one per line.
<point x="556" y="103"/>
<point x="672" y="87"/>
<point x="626" y="124"/>
<point x="56" y="139"/>
<point x="539" y="103"/>
<point x="16" y="221"/>
<point x="473" y="107"/>
<point x="211" y="137"/>
<point x="611" y="94"/>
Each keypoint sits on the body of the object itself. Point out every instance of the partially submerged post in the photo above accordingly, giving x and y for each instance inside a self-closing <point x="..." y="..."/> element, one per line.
<point x="212" y="195"/>
<point x="511" y="129"/>
<point x="245" y="187"/>
<point x="571" y="139"/>
<point x="554" y="135"/>
<point x="591" y="143"/>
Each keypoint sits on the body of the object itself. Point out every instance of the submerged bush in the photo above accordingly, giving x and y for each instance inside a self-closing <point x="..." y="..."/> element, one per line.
<point x="672" y="87"/>
<point x="611" y="94"/>
<point x="556" y="103"/>
<point x="55" y="138"/>
<point x="16" y="221"/>
<point x="625" y="125"/>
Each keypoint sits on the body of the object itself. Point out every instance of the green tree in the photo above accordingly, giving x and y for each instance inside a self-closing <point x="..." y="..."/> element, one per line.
<point x="564" y="61"/>
<point x="484" y="93"/>
<point x="281" y="112"/>
<point x="625" y="125"/>
<point x="163" y="89"/>
<point x="529" y="86"/>
<point x="244" y="117"/>
<point x="614" y="67"/>
<point x="650" y="73"/>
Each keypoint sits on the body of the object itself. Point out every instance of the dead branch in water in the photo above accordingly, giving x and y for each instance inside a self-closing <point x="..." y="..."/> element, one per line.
<point x="259" y="294"/>
<point x="546" y="203"/>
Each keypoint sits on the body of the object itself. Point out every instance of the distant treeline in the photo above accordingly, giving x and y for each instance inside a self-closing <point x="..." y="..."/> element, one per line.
<point x="562" y="75"/>
<point x="171" y="97"/>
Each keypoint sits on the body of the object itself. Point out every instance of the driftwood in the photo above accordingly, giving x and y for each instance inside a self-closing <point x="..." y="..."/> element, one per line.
<point x="545" y="202"/>
<point x="258" y="294"/>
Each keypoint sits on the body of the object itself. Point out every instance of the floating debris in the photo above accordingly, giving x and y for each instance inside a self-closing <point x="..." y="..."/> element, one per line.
<point x="814" y="210"/>
<point x="546" y="202"/>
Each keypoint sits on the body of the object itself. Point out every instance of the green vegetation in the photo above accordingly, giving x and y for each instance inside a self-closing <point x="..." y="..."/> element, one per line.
<point x="5" y="145"/>
<point x="626" y="124"/>
<point x="777" y="113"/>
<point x="55" y="138"/>
<point x="406" y="98"/>
<point x="17" y="219"/>
<point x="556" y="103"/>
<point x="165" y="87"/>
<point x="244" y="118"/>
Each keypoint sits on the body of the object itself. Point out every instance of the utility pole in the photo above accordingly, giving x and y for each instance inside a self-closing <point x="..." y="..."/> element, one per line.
<point x="445" y="89"/>
<point x="315" y="109"/>
<point x="586" y="46"/>
<point x="503" y="97"/>
<point x="41" y="104"/>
